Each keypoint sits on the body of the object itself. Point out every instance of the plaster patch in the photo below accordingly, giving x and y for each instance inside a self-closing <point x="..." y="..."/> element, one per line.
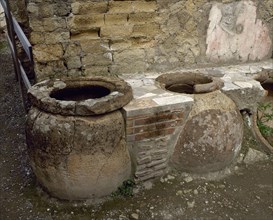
<point x="235" y="33"/>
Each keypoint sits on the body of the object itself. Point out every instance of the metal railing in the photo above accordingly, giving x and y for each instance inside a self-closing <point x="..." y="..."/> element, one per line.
<point x="14" y="32"/>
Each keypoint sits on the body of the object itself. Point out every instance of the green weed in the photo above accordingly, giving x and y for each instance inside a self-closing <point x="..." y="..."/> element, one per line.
<point x="265" y="114"/>
<point x="3" y="46"/>
<point x="126" y="189"/>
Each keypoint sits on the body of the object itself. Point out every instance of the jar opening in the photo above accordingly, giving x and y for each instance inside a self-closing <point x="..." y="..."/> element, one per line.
<point x="80" y="93"/>
<point x="186" y="83"/>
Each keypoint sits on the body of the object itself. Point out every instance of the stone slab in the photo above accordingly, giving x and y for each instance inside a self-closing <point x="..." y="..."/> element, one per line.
<point x="171" y="100"/>
<point x="238" y="84"/>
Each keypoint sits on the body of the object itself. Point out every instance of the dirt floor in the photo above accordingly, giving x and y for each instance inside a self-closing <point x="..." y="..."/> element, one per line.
<point x="246" y="193"/>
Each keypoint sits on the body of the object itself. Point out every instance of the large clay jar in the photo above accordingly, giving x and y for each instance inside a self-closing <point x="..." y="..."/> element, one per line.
<point x="212" y="134"/>
<point x="76" y="136"/>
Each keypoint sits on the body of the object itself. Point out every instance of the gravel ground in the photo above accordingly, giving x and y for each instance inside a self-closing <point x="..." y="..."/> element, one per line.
<point x="246" y="193"/>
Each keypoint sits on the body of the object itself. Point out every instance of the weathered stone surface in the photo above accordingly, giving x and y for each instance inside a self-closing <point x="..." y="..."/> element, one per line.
<point x="74" y="73"/>
<point x="62" y="8"/>
<point x="46" y="10"/>
<point x="142" y="17"/>
<point x="96" y="71"/>
<point x="151" y="132"/>
<point x="212" y="135"/>
<point x="56" y="37"/>
<point x="132" y="6"/>
<point x="249" y="96"/>
<point x="253" y="156"/>
<point x="264" y="77"/>
<point x="45" y="53"/>
<point x="119" y="69"/>
<point x="116" y="31"/>
<point x="153" y="108"/>
<point x="73" y="62"/>
<point x="50" y="69"/>
<point x="33" y="9"/>
<point x="78" y="158"/>
<point x="54" y="23"/>
<point x="89" y="7"/>
<point x="191" y="83"/>
<point x="48" y="24"/>
<point x="146" y="30"/>
<point x="102" y="59"/>
<point x="235" y="33"/>
<point x="36" y="25"/>
<point x="72" y="50"/>
<point x="86" y="35"/>
<point x="79" y="23"/>
<point x="115" y="19"/>
<point x="40" y="96"/>
<point x="128" y="56"/>
<point x="2" y="19"/>
<point x="91" y="46"/>
<point x="172" y="33"/>
<point x="136" y="58"/>
<point x="150" y="158"/>
<point x="19" y="10"/>
<point x="37" y="37"/>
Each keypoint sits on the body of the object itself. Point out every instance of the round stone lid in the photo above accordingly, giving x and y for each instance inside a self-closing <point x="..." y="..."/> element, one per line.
<point x="81" y="96"/>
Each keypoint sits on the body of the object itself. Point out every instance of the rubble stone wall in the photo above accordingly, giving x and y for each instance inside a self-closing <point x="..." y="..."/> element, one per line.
<point x="2" y="19"/>
<point x="109" y="37"/>
<point x="19" y="10"/>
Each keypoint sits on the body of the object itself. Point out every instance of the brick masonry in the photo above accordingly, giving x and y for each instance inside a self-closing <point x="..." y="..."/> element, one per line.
<point x="149" y="138"/>
<point x="152" y="125"/>
<point x="155" y="117"/>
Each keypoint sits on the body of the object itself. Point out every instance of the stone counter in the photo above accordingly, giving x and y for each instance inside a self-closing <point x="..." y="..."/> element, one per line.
<point x="155" y="117"/>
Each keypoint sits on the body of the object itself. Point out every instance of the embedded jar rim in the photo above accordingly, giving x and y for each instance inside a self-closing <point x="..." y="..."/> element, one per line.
<point x="195" y="83"/>
<point x="265" y="76"/>
<point x="117" y="93"/>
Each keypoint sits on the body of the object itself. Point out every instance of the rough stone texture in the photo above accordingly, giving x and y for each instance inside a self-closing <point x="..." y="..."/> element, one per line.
<point x="152" y="101"/>
<point x="78" y="157"/>
<point x="2" y="19"/>
<point x="151" y="158"/>
<point x="235" y="33"/>
<point x="116" y="37"/>
<point x="19" y="10"/>
<point x="155" y="117"/>
<point x="253" y="156"/>
<point x="150" y="137"/>
<point x="246" y="95"/>
<point x="192" y="83"/>
<point x="153" y="121"/>
<point x="212" y="135"/>
<point x="44" y="53"/>
<point x="77" y="144"/>
<point x="120" y="93"/>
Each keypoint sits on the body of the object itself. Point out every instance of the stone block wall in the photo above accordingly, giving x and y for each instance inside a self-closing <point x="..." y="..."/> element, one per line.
<point x="2" y="19"/>
<point x="110" y="37"/>
<point x="19" y="10"/>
